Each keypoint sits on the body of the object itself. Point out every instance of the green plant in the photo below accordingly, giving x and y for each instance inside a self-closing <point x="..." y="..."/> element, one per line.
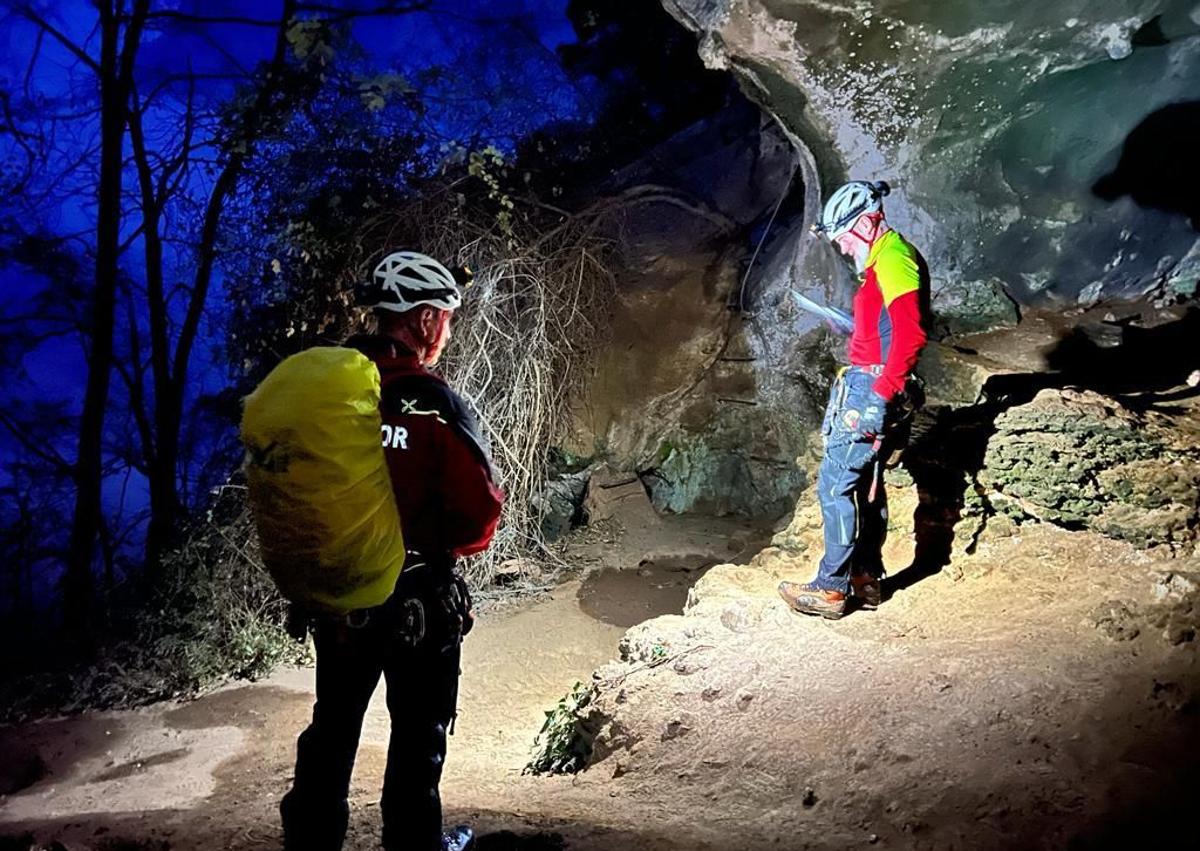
<point x="209" y="614"/>
<point x="564" y="744"/>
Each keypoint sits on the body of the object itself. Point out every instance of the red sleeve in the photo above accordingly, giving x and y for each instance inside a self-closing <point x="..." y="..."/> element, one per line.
<point x="908" y="337"/>
<point x="470" y="499"/>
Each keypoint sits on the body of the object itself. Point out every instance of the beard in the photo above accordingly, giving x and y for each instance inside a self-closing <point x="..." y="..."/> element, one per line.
<point x="858" y="255"/>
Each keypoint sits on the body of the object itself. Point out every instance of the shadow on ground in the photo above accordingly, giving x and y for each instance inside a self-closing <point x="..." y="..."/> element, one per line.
<point x="506" y="840"/>
<point x="1143" y="368"/>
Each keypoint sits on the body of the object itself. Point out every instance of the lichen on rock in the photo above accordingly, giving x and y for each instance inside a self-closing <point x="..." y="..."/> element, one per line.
<point x="1083" y="460"/>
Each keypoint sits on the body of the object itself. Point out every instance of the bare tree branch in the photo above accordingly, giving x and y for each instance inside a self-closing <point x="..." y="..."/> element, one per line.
<point x="33" y="58"/>
<point x="335" y="13"/>
<point x="339" y="15"/>
<point x="166" y="186"/>
<point x="137" y="396"/>
<point x="131" y="239"/>
<point x="208" y="232"/>
<point x="36" y="447"/>
<point x="173" y="15"/>
<point x="27" y="11"/>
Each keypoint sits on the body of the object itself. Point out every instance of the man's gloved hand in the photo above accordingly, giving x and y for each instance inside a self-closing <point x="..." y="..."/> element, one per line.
<point x="296" y="624"/>
<point x="867" y="423"/>
<point x="905" y="404"/>
<point x="459" y="607"/>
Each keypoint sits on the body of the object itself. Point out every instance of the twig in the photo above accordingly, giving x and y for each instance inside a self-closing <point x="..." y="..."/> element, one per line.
<point x="655" y="663"/>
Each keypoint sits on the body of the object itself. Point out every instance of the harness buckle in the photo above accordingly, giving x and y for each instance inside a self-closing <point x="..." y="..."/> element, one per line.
<point x="412" y="622"/>
<point x="358" y="619"/>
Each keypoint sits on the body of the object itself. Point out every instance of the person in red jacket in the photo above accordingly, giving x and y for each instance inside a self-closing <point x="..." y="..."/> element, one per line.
<point x="449" y="507"/>
<point x="889" y="333"/>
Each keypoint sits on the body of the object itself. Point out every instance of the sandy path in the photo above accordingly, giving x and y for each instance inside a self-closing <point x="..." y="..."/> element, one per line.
<point x="168" y="765"/>
<point x="983" y="712"/>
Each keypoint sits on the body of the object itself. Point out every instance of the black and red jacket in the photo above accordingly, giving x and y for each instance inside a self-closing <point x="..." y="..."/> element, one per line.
<point x="448" y="499"/>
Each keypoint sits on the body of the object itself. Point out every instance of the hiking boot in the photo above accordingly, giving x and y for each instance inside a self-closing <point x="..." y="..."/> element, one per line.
<point x="810" y="600"/>
<point x="868" y="590"/>
<point x="461" y="838"/>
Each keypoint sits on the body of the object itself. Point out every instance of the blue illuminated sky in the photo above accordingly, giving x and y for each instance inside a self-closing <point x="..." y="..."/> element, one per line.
<point x="482" y="46"/>
<point x="496" y="69"/>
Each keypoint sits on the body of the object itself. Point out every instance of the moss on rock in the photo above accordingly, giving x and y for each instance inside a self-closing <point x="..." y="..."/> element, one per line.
<point x="1080" y="459"/>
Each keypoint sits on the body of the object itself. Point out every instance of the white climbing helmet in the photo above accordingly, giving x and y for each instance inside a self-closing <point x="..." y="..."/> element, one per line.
<point x="405" y="279"/>
<point x="847" y="204"/>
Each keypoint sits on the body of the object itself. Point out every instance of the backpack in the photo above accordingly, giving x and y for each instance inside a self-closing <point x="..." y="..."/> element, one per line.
<point x="319" y="487"/>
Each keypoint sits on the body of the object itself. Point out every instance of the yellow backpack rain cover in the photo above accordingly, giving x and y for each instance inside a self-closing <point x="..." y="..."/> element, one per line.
<point x="318" y="481"/>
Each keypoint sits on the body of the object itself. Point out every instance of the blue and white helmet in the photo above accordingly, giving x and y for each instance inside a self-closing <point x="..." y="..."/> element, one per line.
<point x="405" y="279"/>
<point x="848" y="203"/>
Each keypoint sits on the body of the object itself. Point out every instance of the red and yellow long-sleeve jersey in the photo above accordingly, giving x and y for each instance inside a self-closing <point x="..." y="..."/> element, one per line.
<point x="888" y="323"/>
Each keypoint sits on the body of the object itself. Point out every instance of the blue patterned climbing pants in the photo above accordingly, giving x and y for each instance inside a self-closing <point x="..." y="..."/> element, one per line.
<point x="854" y="524"/>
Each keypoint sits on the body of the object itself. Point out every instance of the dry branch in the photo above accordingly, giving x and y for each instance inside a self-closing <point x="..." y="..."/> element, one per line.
<point x="523" y="342"/>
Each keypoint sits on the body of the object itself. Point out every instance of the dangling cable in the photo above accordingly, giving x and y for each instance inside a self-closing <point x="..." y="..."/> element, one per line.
<point x="742" y="289"/>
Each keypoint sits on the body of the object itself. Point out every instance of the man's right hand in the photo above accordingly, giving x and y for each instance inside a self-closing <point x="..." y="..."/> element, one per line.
<point x="869" y="422"/>
<point x="296" y="623"/>
<point x="459" y="605"/>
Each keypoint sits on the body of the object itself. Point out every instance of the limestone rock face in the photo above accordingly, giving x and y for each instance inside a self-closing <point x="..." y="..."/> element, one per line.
<point x="610" y="494"/>
<point x="972" y="306"/>
<point x="952" y="377"/>
<point x="1082" y="460"/>
<point x="1037" y="150"/>
<point x="558" y="504"/>
<point x="1072" y="458"/>
<point x="798" y="546"/>
<point x="678" y="394"/>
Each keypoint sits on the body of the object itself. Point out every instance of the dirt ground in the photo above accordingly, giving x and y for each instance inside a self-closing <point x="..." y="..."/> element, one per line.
<point x="209" y="773"/>
<point x="1041" y="694"/>
<point x="1007" y="707"/>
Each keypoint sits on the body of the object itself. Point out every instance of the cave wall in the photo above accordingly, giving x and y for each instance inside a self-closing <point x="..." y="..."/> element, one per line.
<point x="678" y="394"/>
<point x="1042" y="152"/>
<point x="1041" y="155"/>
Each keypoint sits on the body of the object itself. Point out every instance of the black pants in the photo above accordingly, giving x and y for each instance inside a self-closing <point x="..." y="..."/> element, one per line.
<point x="422" y="685"/>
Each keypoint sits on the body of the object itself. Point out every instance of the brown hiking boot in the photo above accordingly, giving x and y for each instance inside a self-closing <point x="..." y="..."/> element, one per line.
<point x="868" y="590"/>
<point x="808" y="600"/>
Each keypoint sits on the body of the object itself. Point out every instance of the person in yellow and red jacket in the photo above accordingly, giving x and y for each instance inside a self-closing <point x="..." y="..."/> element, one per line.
<point x="889" y="333"/>
<point x="449" y="507"/>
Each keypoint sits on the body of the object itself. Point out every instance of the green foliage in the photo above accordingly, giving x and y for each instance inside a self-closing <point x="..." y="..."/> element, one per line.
<point x="311" y="39"/>
<point x="564" y="744"/>
<point x="489" y="166"/>
<point x="376" y="91"/>
<point x="211" y="614"/>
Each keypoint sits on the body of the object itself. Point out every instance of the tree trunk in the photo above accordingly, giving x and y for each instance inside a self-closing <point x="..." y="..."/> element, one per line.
<point x="115" y="72"/>
<point x="164" y="482"/>
<point x="169" y="391"/>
